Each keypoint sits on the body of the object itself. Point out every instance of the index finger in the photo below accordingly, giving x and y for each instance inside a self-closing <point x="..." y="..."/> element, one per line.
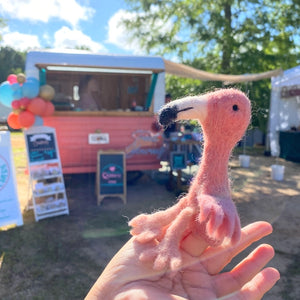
<point x="215" y="259"/>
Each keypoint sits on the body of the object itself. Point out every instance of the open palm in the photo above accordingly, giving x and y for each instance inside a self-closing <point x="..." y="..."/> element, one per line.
<point x="199" y="277"/>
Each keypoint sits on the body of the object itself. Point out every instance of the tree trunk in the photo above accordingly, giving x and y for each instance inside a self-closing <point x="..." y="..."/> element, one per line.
<point x="228" y="40"/>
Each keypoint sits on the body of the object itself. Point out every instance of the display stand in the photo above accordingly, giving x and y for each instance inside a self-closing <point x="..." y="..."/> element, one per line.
<point x="49" y="197"/>
<point x="111" y="175"/>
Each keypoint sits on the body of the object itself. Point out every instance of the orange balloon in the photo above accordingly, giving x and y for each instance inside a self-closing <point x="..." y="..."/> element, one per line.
<point x="26" y="119"/>
<point x="49" y="111"/>
<point x="37" y="106"/>
<point x="13" y="121"/>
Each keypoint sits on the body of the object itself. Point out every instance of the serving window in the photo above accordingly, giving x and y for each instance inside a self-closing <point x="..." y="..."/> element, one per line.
<point x="80" y="91"/>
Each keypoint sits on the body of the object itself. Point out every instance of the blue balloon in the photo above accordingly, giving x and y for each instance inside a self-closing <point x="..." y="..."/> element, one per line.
<point x="15" y="86"/>
<point x="38" y="121"/>
<point x="6" y="94"/>
<point x="18" y="94"/>
<point x="33" y="79"/>
<point x="31" y="88"/>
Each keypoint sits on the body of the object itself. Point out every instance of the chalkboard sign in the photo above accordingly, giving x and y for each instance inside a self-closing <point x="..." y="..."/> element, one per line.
<point x="111" y="175"/>
<point x="178" y="160"/>
<point x="41" y="146"/>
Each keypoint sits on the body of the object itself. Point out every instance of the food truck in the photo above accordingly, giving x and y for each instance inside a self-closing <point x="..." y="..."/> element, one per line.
<point x="103" y="102"/>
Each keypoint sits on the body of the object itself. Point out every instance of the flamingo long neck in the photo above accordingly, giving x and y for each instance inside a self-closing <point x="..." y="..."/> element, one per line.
<point x="212" y="176"/>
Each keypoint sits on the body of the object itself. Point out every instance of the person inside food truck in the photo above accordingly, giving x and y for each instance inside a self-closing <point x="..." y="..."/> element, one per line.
<point x="89" y="93"/>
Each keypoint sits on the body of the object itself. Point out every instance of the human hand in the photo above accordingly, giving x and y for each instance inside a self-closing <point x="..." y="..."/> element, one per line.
<point x="125" y="277"/>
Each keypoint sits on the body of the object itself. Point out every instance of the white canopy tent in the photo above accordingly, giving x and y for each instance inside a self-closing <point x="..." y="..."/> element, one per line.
<point x="284" y="106"/>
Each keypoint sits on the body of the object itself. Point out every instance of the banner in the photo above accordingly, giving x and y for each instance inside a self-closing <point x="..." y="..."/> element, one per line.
<point x="10" y="213"/>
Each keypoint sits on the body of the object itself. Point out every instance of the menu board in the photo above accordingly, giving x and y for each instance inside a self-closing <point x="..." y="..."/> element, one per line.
<point x="111" y="175"/>
<point x="41" y="146"/>
<point x="49" y="196"/>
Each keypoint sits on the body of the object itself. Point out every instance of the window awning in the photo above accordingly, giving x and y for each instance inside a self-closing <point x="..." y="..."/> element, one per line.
<point x="81" y="69"/>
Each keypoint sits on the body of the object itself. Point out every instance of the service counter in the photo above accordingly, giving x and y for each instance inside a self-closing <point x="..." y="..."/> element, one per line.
<point x="101" y="113"/>
<point x="82" y="134"/>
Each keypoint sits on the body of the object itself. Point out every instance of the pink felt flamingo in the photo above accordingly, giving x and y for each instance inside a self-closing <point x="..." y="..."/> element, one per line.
<point x="207" y="210"/>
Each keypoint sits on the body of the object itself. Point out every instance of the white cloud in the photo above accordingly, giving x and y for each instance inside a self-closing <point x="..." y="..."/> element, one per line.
<point x="64" y="38"/>
<point x="118" y="35"/>
<point x="39" y="10"/>
<point x="128" y="40"/>
<point x="47" y="39"/>
<point x="70" y="38"/>
<point x="20" y="41"/>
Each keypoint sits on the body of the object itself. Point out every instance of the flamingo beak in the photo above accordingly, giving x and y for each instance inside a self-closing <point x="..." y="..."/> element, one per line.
<point x="184" y="109"/>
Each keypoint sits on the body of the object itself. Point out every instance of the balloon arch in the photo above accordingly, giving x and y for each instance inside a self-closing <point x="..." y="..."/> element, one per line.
<point x="29" y="101"/>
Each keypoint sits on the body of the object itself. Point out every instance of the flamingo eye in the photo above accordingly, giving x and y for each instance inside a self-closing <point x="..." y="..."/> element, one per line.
<point x="235" y="107"/>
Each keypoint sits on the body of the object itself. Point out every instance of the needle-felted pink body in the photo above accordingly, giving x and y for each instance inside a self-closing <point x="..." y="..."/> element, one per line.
<point x="207" y="209"/>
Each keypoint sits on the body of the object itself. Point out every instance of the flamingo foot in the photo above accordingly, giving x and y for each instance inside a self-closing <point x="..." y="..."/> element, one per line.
<point x="166" y="254"/>
<point x="218" y="220"/>
<point x="147" y="228"/>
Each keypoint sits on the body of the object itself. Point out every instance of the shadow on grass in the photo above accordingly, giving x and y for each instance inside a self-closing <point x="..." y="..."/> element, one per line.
<point x="61" y="257"/>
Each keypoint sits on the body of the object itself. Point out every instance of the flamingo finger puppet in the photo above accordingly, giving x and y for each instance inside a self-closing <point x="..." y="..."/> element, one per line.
<point x="207" y="210"/>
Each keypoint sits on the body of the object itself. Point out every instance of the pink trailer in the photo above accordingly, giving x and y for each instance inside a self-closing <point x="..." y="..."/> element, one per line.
<point x="103" y="102"/>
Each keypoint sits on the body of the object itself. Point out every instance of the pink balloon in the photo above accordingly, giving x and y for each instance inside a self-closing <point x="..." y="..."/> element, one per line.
<point x="15" y="104"/>
<point x="37" y="106"/>
<point x="49" y="110"/>
<point x="24" y="102"/>
<point x="12" y="78"/>
<point x="26" y="119"/>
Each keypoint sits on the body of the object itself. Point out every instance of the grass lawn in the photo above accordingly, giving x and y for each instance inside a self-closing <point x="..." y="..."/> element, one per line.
<point x="61" y="257"/>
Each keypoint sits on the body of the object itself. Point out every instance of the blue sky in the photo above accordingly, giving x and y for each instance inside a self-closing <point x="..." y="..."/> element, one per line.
<point x="34" y="24"/>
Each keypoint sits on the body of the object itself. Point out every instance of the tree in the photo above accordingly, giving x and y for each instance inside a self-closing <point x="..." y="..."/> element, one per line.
<point x="221" y="36"/>
<point x="2" y="24"/>
<point x="83" y="48"/>
<point x="11" y="62"/>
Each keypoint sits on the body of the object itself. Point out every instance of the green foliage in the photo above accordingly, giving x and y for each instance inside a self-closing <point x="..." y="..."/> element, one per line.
<point x="2" y="24"/>
<point x="180" y="87"/>
<point x="222" y="36"/>
<point x="11" y="62"/>
<point x="83" y="48"/>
